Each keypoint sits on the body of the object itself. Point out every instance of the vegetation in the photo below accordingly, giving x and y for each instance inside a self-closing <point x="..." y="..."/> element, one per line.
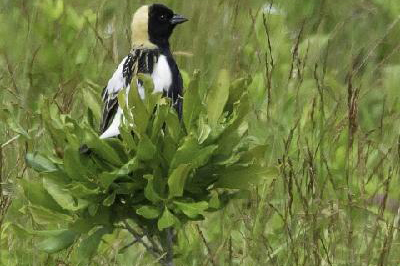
<point x="314" y="85"/>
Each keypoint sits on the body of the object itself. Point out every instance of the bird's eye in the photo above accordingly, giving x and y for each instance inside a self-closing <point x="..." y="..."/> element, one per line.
<point x="163" y="17"/>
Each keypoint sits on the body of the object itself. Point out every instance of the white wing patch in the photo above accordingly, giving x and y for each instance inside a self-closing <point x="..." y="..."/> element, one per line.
<point x="117" y="81"/>
<point x="162" y="75"/>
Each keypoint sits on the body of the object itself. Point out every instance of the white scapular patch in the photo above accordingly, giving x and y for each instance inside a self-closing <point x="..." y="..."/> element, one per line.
<point x="162" y="75"/>
<point x="117" y="81"/>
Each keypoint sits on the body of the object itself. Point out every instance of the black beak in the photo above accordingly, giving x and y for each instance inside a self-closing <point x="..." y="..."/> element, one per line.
<point x="178" y="19"/>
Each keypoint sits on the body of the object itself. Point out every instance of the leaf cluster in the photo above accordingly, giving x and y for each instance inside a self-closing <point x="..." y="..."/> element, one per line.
<point x="160" y="173"/>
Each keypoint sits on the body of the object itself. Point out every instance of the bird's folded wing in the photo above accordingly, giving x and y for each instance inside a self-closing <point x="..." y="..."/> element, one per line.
<point x="110" y="96"/>
<point x="138" y="61"/>
<point x="110" y="108"/>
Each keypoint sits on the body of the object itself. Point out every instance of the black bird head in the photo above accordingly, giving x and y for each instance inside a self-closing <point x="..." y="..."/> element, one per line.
<point x="153" y="25"/>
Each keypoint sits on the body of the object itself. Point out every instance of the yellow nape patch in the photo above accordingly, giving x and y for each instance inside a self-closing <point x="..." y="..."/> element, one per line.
<point x="139" y="28"/>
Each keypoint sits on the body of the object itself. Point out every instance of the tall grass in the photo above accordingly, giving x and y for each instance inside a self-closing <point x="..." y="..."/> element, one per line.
<point x="325" y="96"/>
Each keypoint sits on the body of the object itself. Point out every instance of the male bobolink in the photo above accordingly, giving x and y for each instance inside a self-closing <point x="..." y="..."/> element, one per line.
<point x="151" y="28"/>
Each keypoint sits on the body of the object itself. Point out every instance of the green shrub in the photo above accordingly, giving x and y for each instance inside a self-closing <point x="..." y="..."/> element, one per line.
<point x="159" y="175"/>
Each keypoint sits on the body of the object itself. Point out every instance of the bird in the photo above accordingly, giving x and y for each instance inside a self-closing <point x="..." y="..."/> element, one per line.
<point x="151" y="27"/>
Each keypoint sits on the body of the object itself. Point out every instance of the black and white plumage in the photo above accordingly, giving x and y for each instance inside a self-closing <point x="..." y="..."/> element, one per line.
<point x="151" y="28"/>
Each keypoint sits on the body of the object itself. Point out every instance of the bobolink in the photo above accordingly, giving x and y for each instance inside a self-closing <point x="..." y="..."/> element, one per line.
<point x="151" y="28"/>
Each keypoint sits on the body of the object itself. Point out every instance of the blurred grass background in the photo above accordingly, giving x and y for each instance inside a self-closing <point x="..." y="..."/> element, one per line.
<point x="325" y="96"/>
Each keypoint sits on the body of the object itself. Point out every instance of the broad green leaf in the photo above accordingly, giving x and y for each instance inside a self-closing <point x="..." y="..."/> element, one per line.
<point x="73" y="132"/>
<point x="80" y="190"/>
<point x="152" y="100"/>
<point x="45" y="216"/>
<point x="186" y="152"/>
<point x="72" y="164"/>
<point x="149" y="212"/>
<point x="38" y="196"/>
<point x="185" y="78"/>
<point x="151" y="97"/>
<point x="53" y="124"/>
<point x="85" y="224"/>
<point x="92" y="100"/>
<point x="233" y="134"/>
<point x="257" y="153"/>
<point x="40" y="163"/>
<point x="191" y="152"/>
<point x="127" y="137"/>
<point x="169" y="148"/>
<point x="138" y="109"/>
<point x="177" y="179"/>
<point x="106" y="179"/>
<point x="146" y="149"/>
<point x="63" y="197"/>
<point x="192" y="104"/>
<point x="128" y="116"/>
<point x="217" y="98"/>
<point x="148" y="84"/>
<point x="88" y="247"/>
<point x="118" y="147"/>
<point x="128" y="188"/>
<point x="18" y="230"/>
<point x="109" y="200"/>
<point x="92" y="209"/>
<point x="203" y="130"/>
<point x="192" y="210"/>
<point x="59" y="176"/>
<point x="59" y="242"/>
<point x="214" y="201"/>
<point x="238" y="177"/>
<point x="160" y="115"/>
<point x="14" y="126"/>
<point x="149" y="191"/>
<point x="173" y="125"/>
<point x="202" y="179"/>
<point x="203" y="156"/>
<point x="167" y="220"/>
<point x="101" y="147"/>
<point x="40" y="233"/>
<point x="237" y="88"/>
